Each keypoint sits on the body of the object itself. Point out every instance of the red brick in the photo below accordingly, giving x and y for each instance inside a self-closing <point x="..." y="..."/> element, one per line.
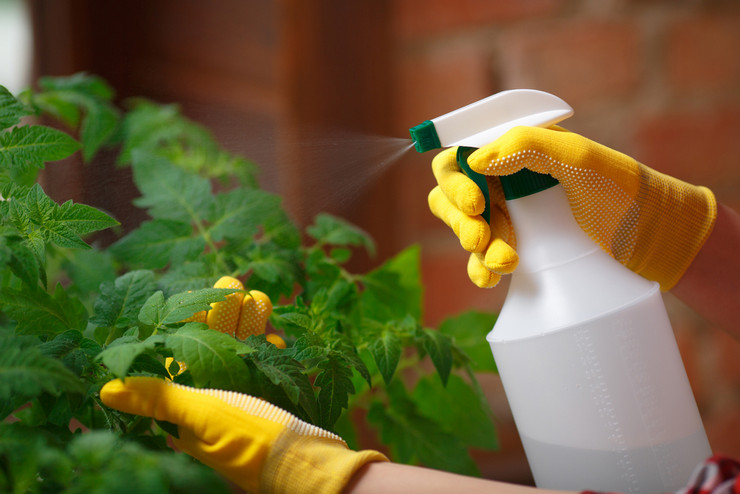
<point x="582" y="61"/>
<point x="425" y="17"/>
<point x="703" y="53"/>
<point x="701" y="147"/>
<point x="439" y="80"/>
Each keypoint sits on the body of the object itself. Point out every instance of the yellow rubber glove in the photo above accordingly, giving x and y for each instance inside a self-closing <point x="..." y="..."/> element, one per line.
<point x="256" y="445"/>
<point x="652" y="223"/>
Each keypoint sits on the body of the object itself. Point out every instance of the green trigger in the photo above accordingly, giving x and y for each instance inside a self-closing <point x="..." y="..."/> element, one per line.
<point x="480" y="180"/>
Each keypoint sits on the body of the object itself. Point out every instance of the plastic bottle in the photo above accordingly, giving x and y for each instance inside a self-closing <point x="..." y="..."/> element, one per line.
<point x="588" y="359"/>
<point x="584" y="346"/>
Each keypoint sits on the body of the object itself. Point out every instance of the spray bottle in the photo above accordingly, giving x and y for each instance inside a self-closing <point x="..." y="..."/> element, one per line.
<point x="584" y="346"/>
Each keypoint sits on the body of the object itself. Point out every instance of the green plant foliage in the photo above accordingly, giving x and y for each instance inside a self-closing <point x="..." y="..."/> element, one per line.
<point x="74" y="316"/>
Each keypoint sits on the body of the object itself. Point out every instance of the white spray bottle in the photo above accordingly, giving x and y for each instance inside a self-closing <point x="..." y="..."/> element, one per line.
<point x="583" y="345"/>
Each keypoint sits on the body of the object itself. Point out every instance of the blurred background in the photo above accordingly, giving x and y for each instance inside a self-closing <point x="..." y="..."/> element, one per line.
<point x="318" y="93"/>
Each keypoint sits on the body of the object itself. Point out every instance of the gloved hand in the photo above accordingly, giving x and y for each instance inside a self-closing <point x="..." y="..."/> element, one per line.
<point x="256" y="445"/>
<point x="652" y="223"/>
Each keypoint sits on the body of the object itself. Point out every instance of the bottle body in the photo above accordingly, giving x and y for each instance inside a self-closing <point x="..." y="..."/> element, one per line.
<point x="590" y="365"/>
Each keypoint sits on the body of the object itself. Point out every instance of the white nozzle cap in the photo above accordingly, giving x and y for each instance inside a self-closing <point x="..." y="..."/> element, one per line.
<point x="484" y="121"/>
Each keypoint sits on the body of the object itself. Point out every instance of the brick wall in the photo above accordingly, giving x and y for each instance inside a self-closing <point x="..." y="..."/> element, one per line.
<point x="658" y="80"/>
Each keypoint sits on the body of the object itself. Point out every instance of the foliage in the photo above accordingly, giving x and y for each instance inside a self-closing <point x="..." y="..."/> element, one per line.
<point x="75" y="315"/>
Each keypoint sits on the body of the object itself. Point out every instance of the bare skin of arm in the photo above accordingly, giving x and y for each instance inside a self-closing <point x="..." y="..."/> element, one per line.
<point x="712" y="283"/>
<point x="394" y="478"/>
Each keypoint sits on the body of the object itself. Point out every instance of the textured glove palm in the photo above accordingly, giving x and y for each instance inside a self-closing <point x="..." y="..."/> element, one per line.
<point x="652" y="223"/>
<point x="255" y="444"/>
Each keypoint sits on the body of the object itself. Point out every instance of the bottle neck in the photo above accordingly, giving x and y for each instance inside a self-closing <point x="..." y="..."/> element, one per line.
<point x="546" y="232"/>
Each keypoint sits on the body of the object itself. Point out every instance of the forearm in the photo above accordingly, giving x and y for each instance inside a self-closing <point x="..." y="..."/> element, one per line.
<point x="710" y="285"/>
<point x="394" y="478"/>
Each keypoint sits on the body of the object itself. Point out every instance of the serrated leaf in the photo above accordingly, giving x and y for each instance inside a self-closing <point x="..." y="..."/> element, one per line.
<point x="25" y="371"/>
<point x="31" y="146"/>
<point x="169" y="192"/>
<point x="386" y="351"/>
<point x="82" y="219"/>
<point x="40" y="313"/>
<point x="11" y="110"/>
<point x="439" y="348"/>
<point x="287" y="373"/>
<point x="212" y="357"/>
<point x="335" y="383"/>
<point x="120" y="301"/>
<point x="39" y="218"/>
<point x="157" y="243"/>
<point x="309" y="346"/>
<point x="331" y="230"/>
<point x="457" y="407"/>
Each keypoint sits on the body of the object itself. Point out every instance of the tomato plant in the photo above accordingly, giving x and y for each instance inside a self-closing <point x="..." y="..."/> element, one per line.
<point x="75" y="314"/>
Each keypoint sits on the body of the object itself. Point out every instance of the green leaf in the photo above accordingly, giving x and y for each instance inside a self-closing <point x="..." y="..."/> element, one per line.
<point x="413" y="437"/>
<point x="120" y="355"/>
<point x="169" y="192"/>
<point x="456" y="406"/>
<point x="157" y="243"/>
<point x="239" y="213"/>
<point x="212" y="357"/>
<point x="331" y="230"/>
<point x="180" y="306"/>
<point x="82" y="219"/>
<point x="394" y="290"/>
<point x="386" y="351"/>
<point x="11" y="110"/>
<point x="335" y="381"/>
<point x="469" y="331"/>
<point x="40" y="313"/>
<point x="25" y="371"/>
<point x="40" y="220"/>
<point x="286" y="372"/>
<point x="98" y="126"/>
<point x="68" y="97"/>
<point x="120" y="301"/>
<point x="31" y="146"/>
<point x="439" y="348"/>
<point x="72" y="349"/>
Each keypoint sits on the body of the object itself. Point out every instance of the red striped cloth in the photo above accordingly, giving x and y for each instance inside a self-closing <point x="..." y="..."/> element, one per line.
<point x="717" y="475"/>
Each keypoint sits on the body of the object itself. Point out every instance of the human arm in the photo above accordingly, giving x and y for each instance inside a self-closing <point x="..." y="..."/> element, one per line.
<point x="395" y="478"/>
<point x="710" y="284"/>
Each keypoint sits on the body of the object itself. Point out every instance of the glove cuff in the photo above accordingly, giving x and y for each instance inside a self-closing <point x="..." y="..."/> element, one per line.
<point x="308" y="465"/>
<point x="676" y="219"/>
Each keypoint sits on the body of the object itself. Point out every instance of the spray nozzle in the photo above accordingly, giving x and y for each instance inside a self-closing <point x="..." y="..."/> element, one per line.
<point x="425" y="136"/>
<point x="484" y="121"/>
